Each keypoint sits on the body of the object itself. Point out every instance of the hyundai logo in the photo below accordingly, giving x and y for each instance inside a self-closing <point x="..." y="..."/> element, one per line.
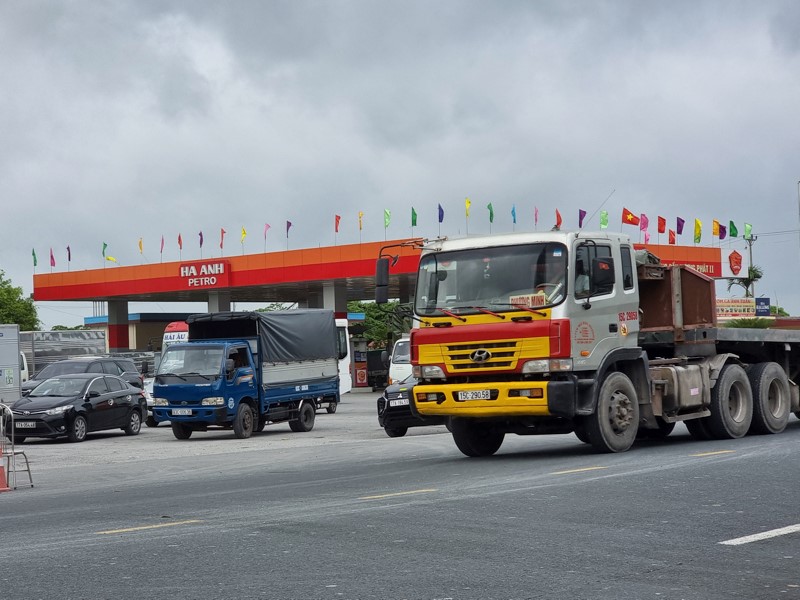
<point x="481" y="355"/>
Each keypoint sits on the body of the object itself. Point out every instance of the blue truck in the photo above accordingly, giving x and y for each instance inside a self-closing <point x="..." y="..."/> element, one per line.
<point x="242" y="370"/>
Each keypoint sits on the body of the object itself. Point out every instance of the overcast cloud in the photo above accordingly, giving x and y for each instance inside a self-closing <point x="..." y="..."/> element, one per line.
<point x="128" y="119"/>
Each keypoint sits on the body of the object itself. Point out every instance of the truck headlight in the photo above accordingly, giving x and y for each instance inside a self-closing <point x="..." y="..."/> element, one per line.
<point x="428" y="372"/>
<point x="547" y="366"/>
<point x="213" y="401"/>
<point x="58" y="410"/>
<point x="160" y="402"/>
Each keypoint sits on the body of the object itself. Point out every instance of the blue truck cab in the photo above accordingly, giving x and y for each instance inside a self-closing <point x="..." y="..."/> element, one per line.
<point x="241" y="370"/>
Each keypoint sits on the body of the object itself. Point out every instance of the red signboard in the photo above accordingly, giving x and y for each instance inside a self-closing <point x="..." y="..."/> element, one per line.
<point x="204" y="274"/>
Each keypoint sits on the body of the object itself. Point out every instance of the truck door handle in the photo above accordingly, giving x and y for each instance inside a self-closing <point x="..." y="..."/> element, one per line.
<point x="612" y="328"/>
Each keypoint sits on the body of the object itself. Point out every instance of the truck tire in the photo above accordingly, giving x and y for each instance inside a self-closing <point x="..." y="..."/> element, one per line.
<point x="262" y="422"/>
<point x="305" y="421"/>
<point x="580" y="432"/>
<point x="476" y="439"/>
<point x="243" y="422"/>
<point x="181" y="431"/>
<point x="698" y="429"/>
<point x="663" y="431"/>
<point x="395" y="431"/>
<point x="615" y="422"/>
<point x="731" y="404"/>
<point x="771" y="399"/>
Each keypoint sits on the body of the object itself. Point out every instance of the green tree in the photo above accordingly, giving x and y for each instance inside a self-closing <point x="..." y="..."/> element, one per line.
<point x="754" y="273"/>
<point x="65" y="328"/>
<point x="778" y="311"/>
<point x="16" y="309"/>
<point x="383" y="322"/>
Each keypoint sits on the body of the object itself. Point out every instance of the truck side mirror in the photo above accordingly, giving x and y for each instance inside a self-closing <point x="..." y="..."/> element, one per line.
<point x="385" y="358"/>
<point x="602" y="275"/>
<point x="382" y="281"/>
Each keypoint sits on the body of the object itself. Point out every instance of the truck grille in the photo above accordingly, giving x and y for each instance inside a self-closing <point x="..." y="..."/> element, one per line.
<point x="503" y="355"/>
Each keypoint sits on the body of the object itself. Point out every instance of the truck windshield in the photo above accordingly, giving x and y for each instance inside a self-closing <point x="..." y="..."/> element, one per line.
<point x="185" y="360"/>
<point x="498" y="279"/>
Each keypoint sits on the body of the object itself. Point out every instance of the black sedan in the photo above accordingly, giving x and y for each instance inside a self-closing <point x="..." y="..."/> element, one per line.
<point x="394" y="409"/>
<point x="74" y="405"/>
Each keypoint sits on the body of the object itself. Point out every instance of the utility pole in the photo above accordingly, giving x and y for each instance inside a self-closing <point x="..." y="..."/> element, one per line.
<point x="750" y="241"/>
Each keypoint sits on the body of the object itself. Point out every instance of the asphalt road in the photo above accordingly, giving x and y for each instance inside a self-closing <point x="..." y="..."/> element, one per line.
<point x="344" y="512"/>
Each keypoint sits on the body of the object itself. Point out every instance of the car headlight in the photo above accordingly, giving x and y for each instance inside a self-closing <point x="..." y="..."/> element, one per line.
<point x="547" y="366"/>
<point x="160" y="402"/>
<point x="213" y="401"/>
<point x="57" y="410"/>
<point x="428" y="372"/>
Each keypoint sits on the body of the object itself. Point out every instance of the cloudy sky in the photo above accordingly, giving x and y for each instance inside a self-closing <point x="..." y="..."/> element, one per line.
<point x="128" y="119"/>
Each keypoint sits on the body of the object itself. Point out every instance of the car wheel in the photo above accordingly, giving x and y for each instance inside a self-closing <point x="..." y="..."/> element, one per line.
<point x="76" y="431"/>
<point x="305" y="420"/>
<point x="134" y="423"/>
<point x="395" y="431"/>
<point x="181" y="431"/>
<point x="151" y="421"/>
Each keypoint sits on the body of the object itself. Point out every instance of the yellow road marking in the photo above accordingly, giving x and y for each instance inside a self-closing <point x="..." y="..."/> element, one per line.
<point x="145" y="527"/>
<point x="425" y="491"/>
<point x="578" y="470"/>
<point x="714" y="453"/>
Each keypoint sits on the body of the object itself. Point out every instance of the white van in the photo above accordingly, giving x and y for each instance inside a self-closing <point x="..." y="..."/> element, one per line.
<point x="400" y="360"/>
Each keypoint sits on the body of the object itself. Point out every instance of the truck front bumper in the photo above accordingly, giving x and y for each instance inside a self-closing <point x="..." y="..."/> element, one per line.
<point x="210" y="415"/>
<point x="506" y="399"/>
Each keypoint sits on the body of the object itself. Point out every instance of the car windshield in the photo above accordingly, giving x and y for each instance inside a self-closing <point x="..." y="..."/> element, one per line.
<point x="197" y="360"/>
<point x="402" y="353"/>
<point x="495" y="279"/>
<point x="59" y="386"/>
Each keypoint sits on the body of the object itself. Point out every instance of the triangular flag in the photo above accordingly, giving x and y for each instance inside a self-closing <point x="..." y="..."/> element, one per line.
<point x="558" y="219"/>
<point x="288" y="227"/>
<point x="581" y="217"/>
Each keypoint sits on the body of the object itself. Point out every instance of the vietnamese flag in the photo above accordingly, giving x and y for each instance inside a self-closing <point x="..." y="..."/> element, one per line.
<point x="629" y="218"/>
<point x="662" y="224"/>
<point x="672" y="237"/>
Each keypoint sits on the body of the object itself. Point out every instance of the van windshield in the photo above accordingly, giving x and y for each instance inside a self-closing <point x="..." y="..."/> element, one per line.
<point x="402" y="353"/>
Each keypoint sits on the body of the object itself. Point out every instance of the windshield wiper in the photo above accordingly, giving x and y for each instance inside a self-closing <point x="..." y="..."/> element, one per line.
<point x="170" y="375"/>
<point x="207" y="377"/>
<point x="487" y="311"/>
<point x="450" y="314"/>
<point x="522" y="307"/>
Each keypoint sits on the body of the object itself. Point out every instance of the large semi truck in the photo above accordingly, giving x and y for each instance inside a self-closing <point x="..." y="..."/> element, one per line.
<point x="562" y="332"/>
<point x="241" y="370"/>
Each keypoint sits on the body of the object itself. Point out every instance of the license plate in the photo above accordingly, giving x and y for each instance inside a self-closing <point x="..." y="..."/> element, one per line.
<point x="25" y="424"/>
<point x="475" y="395"/>
<point x="179" y="412"/>
<point x="399" y="402"/>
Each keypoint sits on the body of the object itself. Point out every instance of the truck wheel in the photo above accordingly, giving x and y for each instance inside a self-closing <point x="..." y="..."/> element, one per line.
<point x="613" y="426"/>
<point x="395" y="431"/>
<point x="181" y="431"/>
<point x="305" y="421"/>
<point x="664" y="429"/>
<point x="476" y="439"/>
<point x="331" y="408"/>
<point x="151" y="421"/>
<point x="243" y="422"/>
<point x="698" y="429"/>
<point x="771" y="401"/>
<point x="731" y="404"/>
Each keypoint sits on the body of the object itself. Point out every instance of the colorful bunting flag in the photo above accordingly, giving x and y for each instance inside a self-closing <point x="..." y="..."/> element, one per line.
<point x="491" y="212"/>
<point x="441" y="214"/>
<point x="644" y="222"/>
<point x="535" y="216"/>
<point x="288" y="227"/>
<point x="467" y="204"/>
<point x="679" y="226"/>
<point x="629" y="218"/>
<point x="52" y="258"/>
<point x="387" y="217"/>
<point x="748" y="231"/>
<point x="413" y="217"/>
<point x="733" y="231"/>
<point x="514" y="214"/>
<point x="672" y="237"/>
<point x="111" y="259"/>
<point x="180" y="242"/>
<point x="162" y="244"/>
<point x="336" y="220"/>
<point x="581" y="217"/>
<point x="360" y="219"/>
<point x="222" y="233"/>
<point x="69" y="254"/>
<point x="35" y="260"/>
<point x="244" y="235"/>
<point x="723" y="231"/>
<point x="698" y="230"/>
<point x="558" y="219"/>
<point x="646" y="237"/>
<point x="266" y="229"/>
<point x="141" y="246"/>
<point x="200" y="234"/>
<point x="662" y="224"/>
<point x="603" y="219"/>
<point x="714" y="228"/>
<point x="104" y="249"/>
